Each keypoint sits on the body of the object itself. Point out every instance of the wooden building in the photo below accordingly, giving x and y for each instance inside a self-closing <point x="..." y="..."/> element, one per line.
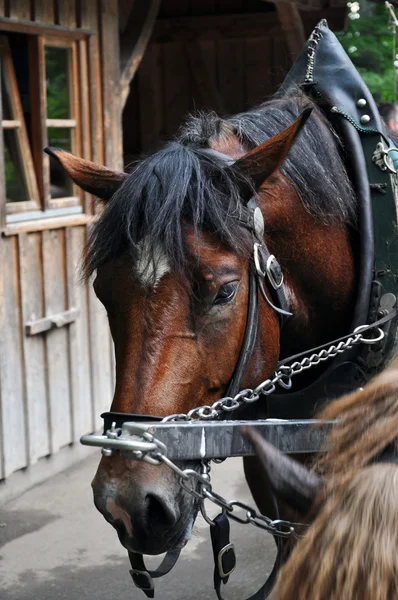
<point x="106" y="80"/>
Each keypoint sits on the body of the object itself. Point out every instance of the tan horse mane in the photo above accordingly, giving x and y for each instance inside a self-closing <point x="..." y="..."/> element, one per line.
<point x="367" y="423"/>
<point x="350" y="552"/>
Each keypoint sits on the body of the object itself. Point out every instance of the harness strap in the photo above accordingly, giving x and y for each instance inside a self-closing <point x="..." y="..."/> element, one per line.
<point x="143" y="577"/>
<point x="249" y="338"/>
<point x="224" y="559"/>
<point x="223" y="552"/>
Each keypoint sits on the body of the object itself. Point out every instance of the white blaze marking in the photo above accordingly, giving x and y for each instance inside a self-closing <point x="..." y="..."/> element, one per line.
<point x="151" y="268"/>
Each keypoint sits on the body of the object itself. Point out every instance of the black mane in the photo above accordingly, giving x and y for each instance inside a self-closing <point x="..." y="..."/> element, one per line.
<point x="182" y="181"/>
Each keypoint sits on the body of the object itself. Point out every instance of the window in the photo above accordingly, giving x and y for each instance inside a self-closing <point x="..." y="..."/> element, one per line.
<point x="20" y="180"/>
<point x="38" y="107"/>
<point x="61" y="114"/>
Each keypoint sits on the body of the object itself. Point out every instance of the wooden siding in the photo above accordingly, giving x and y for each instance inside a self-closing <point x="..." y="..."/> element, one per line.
<point x="222" y="55"/>
<point x="54" y="385"/>
<point x="178" y="76"/>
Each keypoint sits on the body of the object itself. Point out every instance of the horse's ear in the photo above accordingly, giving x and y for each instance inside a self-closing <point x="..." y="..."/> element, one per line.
<point x="289" y="480"/>
<point x="92" y="178"/>
<point x="261" y="162"/>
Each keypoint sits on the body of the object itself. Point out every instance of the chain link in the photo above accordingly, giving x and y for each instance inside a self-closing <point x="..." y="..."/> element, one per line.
<point x="282" y="377"/>
<point x="198" y="484"/>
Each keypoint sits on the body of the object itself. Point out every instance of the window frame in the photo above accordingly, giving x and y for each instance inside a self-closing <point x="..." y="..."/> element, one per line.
<point x="76" y="207"/>
<point x="73" y="123"/>
<point x="18" y="125"/>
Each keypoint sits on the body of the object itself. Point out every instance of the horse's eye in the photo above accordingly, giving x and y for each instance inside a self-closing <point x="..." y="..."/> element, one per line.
<point x="226" y="293"/>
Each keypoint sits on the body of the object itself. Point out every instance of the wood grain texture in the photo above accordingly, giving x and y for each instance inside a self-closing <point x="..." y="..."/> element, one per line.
<point x="90" y="19"/>
<point x="79" y="349"/>
<point x="110" y="63"/>
<point x="44" y="11"/>
<point x="57" y="342"/>
<point x="2" y="172"/>
<point x="20" y="9"/>
<point x="12" y="393"/>
<point x="32" y="307"/>
<point x="84" y="111"/>
<point x="67" y="12"/>
<point x="100" y="350"/>
<point x="134" y="41"/>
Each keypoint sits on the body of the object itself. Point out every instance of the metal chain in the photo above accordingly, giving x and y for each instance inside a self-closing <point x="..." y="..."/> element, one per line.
<point x="199" y="485"/>
<point x="282" y="377"/>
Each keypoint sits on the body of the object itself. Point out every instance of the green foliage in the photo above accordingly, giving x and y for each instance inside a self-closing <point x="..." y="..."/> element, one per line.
<point x="57" y="82"/>
<point x="368" y="42"/>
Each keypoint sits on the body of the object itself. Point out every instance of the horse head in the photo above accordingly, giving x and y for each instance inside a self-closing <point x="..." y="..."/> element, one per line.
<point x="172" y="255"/>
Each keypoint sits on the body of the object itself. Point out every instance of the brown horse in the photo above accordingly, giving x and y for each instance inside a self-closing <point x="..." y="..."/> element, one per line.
<point x="172" y="258"/>
<point x="350" y="551"/>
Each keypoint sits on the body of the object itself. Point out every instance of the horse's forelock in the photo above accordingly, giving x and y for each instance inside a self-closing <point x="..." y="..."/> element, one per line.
<point x="182" y="181"/>
<point x="176" y="185"/>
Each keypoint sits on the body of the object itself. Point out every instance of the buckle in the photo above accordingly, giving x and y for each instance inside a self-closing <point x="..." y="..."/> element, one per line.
<point x="274" y="272"/>
<point x="142" y="580"/>
<point x="257" y="256"/>
<point x="228" y="548"/>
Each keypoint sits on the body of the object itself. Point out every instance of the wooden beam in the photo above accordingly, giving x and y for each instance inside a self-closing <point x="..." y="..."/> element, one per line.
<point x="31" y="27"/>
<point x="292" y="25"/>
<point x="134" y="40"/>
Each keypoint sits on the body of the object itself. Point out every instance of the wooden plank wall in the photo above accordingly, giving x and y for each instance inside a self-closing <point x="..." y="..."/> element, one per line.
<point x="54" y="385"/>
<point x="225" y="55"/>
<point x="237" y="70"/>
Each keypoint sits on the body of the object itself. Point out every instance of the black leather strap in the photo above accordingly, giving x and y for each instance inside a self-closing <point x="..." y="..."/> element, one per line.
<point x="225" y="559"/>
<point x="223" y="552"/>
<point x="248" y="340"/>
<point x="143" y="577"/>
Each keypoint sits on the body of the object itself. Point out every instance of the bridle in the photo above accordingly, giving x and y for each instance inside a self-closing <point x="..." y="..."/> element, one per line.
<point x="263" y="266"/>
<point x="266" y="281"/>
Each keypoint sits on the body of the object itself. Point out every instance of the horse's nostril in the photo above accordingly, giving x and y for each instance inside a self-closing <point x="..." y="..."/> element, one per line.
<point x="159" y="514"/>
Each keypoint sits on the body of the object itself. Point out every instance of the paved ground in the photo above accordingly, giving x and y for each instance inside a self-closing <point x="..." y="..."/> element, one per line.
<point x="55" y="546"/>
